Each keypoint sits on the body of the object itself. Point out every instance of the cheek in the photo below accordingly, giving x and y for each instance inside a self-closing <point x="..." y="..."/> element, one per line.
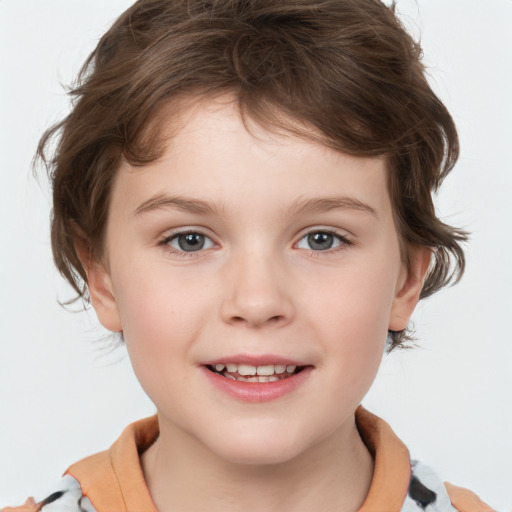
<point x="351" y="315"/>
<point x="161" y="315"/>
<point x="161" y="322"/>
<point x="356" y="299"/>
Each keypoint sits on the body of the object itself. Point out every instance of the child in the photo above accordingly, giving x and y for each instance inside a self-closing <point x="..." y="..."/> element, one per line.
<point x="243" y="190"/>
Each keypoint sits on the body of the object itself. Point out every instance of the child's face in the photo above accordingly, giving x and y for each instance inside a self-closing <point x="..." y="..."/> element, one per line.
<point x="298" y="262"/>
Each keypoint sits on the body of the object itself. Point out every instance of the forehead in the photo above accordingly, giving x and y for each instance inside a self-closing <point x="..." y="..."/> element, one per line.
<point x="212" y="153"/>
<point x="208" y="132"/>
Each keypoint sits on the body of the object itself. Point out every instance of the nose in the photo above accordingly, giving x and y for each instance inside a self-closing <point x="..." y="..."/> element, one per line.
<point x="256" y="292"/>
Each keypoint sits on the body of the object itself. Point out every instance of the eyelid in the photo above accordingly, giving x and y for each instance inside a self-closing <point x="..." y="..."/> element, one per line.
<point x="183" y="231"/>
<point x="342" y="236"/>
<point x="173" y="233"/>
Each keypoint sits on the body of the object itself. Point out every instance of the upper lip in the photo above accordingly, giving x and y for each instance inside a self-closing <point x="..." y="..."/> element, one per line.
<point x="255" y="360"/>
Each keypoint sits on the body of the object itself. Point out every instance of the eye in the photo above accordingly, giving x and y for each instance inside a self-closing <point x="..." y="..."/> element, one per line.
<point x="322" y="241"/>
<point x="189" y="242"/>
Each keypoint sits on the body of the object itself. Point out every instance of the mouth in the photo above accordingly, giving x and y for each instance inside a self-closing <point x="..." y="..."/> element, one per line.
<point x="257" y="379"/>
<point x="250" y="373"/>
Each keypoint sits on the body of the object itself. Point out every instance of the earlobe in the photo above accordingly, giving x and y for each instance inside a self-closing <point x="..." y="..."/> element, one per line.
<point x="409" y="288"/>
<point x="100" y="287"/>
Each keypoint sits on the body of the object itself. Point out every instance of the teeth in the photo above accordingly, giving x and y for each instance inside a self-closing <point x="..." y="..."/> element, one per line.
<point x="269" y="378"/>
<point x="255" y="378"/>
<point x="265" y="370"/>
<point x="249" y="373"/>
<point x="245" y="369"/>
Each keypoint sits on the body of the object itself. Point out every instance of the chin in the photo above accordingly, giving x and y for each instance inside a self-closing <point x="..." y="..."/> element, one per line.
<point x="258" y="448"/>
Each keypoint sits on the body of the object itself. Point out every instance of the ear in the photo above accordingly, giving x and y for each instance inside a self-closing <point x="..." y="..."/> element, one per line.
<point x="100" y="286"/>
<point x="409" y="288"/>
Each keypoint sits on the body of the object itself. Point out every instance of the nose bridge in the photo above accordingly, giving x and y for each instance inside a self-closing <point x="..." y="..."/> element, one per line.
<point x="256" y="291"/>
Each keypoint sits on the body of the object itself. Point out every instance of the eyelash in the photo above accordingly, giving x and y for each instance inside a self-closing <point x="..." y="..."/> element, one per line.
<point x="344" y="242"/>
<point x="180" y="253"/>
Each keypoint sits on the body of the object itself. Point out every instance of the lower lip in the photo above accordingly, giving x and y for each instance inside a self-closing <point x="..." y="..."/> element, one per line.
<point x="257" y="391"/>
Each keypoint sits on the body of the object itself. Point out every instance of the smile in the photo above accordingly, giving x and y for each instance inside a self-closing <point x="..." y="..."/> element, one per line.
<point x="250" y="373"/>
<point x="256" y="378"/>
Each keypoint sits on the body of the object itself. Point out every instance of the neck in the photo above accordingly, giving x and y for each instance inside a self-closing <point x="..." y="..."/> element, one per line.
<point x="183" y="474"/>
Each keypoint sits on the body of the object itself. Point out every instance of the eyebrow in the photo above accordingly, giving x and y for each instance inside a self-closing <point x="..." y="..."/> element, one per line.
<point x="325" y="204"/>
<point x="190" y="205"/>
<point x="299" y="206"/>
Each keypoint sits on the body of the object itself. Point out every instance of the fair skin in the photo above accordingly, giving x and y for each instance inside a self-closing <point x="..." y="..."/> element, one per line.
<point x="292" y="255"/>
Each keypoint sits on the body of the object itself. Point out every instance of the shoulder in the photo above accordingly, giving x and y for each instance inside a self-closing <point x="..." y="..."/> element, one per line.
<point x="429" y="493"/>
<point x="66" y="496"/>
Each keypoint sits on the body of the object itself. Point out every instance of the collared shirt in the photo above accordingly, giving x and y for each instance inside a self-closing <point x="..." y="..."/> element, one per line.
<point x="112" y="481"/>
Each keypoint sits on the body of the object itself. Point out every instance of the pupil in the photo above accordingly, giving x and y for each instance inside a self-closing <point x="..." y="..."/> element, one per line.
<point x="320" y="241"/>
<point x="191" y="242"/>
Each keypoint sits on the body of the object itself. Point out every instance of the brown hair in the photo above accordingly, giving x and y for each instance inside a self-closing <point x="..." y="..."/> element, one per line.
<point x="346" y="70"/>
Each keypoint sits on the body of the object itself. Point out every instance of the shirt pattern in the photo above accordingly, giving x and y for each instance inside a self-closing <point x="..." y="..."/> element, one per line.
<point x="427" y="493"/>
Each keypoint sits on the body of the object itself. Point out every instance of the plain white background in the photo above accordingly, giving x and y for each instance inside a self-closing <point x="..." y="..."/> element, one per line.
<point x="63" y="396"/>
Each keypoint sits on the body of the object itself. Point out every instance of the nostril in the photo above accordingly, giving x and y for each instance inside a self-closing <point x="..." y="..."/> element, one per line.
<point x="257" y="321"/>
<point x="255" y="312"/>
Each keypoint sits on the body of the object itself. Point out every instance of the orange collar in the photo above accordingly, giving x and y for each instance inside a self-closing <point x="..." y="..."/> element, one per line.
<point x="392" y="466"/>
<point x="113" y="479"/>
